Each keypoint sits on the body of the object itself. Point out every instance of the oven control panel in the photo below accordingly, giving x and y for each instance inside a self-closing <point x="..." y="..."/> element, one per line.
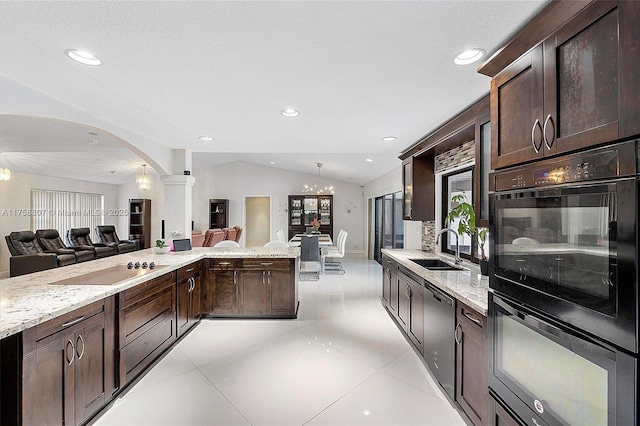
<point x="600" y="163"/>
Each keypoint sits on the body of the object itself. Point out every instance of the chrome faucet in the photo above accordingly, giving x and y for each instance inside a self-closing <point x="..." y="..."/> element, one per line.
<point x="442" y="231"/>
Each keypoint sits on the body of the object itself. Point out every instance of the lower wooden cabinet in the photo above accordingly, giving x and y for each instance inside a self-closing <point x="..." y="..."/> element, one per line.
<point x="498" y="415"/>
<point x="61" y="371"/>
<point x="253" y="287"/>
<point x="411" y="309"/>
<point x="472" y="390"/>
<point x="147" y="324"/>
<point x="189" y="288"/>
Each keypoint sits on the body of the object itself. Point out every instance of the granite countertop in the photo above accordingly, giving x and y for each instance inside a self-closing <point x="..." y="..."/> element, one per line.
<point x="466" y="285"/>
<point x="29" y="300"/>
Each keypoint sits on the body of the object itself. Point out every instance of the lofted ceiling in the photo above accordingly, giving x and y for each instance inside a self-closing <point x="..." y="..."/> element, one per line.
<point x="176" y="70"/>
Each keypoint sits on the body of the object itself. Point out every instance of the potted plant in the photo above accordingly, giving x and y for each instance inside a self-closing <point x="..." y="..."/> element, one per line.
<point x="161" y="247"/>
<point x="467" y="225"/>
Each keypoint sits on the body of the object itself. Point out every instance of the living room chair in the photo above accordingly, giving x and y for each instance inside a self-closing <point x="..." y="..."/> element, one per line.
<point x="80" y="237"/>
<point x="197" y="239"/>
<point x="230" y="233"/>
<point x="238" y="233"/>
<point x="213" y="237"/>
<point x="27" y="256"/>
<point x="49" y="240"/>
<point x="107" y="235"/>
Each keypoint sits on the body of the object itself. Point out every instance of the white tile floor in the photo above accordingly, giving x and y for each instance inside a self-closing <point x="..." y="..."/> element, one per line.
<point x="342" y="362"/>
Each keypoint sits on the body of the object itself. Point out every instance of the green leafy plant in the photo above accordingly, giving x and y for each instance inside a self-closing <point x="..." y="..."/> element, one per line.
<point x="160" y="243"/>
<point x="467" y="224"/>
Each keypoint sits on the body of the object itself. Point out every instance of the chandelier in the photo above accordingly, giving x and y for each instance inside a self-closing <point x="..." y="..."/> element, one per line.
<point x="143" y="180"/>
<point x="5" y="174"/>
<point x="316" y="188"/>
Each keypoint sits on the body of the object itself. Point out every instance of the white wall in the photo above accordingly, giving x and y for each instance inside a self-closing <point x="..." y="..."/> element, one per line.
<point x="16" y="195"/>
<point x="386" y="184"/>
<point x="235" y="180"/>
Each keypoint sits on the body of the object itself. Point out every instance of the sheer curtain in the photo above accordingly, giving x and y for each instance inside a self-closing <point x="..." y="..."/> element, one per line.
<point x="62" y="210"/>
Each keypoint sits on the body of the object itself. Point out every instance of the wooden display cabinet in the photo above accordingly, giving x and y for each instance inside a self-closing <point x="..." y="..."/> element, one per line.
<point x="140" y="222"/>
<point x="305" y="208"/>
<point x="218" y="213"/>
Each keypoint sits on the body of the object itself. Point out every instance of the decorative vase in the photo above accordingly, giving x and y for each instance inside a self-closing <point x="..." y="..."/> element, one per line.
<point x="484" y="267"/>
<point x="162" y="250"/>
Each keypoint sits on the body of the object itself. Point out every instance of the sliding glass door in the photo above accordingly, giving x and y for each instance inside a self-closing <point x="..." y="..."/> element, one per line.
<point x="389" y="228"/>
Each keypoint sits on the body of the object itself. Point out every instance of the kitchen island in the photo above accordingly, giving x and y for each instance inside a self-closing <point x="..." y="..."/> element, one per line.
<point x="71" y="341"/>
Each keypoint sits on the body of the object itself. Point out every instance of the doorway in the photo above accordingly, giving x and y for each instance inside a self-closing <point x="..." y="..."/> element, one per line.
<point x="257" y="224"/>
<point x="389" y="227"/>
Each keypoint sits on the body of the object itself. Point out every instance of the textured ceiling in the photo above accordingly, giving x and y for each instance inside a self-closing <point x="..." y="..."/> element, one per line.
<point x="356" y="71"/>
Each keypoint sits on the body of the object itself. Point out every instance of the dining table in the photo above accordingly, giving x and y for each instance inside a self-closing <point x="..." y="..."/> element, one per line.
<point x="324" y="240"/>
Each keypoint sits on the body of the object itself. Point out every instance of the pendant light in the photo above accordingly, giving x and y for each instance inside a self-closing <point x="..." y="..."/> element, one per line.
<point x="316" y="187"/>
<point x="143" y="180"/>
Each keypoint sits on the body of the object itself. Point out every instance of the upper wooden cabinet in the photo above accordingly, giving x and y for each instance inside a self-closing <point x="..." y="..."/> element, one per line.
<point x="418" y="186"/>
<point x="572" y="90"/>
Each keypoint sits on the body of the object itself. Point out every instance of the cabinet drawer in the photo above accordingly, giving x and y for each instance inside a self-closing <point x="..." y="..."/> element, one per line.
<point x="188" y="271"/>
<point x="262" y="264"/>
<point x="160" y="335"/>
<point x="136" y="319"/>
<point x="471" y="317"/>
<point x="224" y="264"/>
<point x="144" y="290"/>
<point x="68" y="320"/>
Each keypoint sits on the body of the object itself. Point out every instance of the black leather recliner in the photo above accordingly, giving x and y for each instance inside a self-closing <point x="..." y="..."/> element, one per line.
<point x="107" y="235"/>
<point x="80" y="237"/>
<point x="27" y="256"/>
<point x="49" y="240"/>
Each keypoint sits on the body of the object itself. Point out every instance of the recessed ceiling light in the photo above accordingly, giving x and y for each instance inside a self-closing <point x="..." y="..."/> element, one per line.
<point x="83" y="57"/>
<point x="468" y="56"/>
<point x="389" y="138"/>
<point x="206" y="138"/>
<point x="370" y="160"/>
<point x="290" y="112"/>
<point x="272" y="162"/>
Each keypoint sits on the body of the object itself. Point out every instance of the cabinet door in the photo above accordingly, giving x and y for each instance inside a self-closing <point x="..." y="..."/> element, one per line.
<point x="516" y="111"/>
<point x="254" y="293"/>
<point x="407" y="189"/>
<point x="196" y="299"/>
<point x="282" y="292"/>
<point x="183" y="305"/>
<point x="403" y="301"/>
<point x="48" y="397"/>
<point x="471" y="370"/>
<point x="92" y="371"/>
<point x="499" y="416"/>
<point x="386" y="286"/>
<point x="415" y="323"/>
<point x="581" y="83"/>
<point x="394" y="294"/>
<point x="224" y="292"/>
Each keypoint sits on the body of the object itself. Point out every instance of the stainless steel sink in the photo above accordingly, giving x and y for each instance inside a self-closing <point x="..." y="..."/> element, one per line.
<point x="435" y="265"/>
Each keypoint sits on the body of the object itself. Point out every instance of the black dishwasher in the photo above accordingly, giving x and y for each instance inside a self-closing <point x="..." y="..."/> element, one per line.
<point x="439" y="344"/>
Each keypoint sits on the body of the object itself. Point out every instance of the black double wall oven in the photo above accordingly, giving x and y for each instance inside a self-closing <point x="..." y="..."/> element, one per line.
<point x="564" y="308"/>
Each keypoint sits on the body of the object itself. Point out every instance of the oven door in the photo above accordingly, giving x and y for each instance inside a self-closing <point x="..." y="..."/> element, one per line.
<point x="571" y="252"/>
<point x="550" y="374"/>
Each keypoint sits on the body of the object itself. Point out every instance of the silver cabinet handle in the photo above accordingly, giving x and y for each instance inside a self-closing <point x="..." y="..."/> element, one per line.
<point x="407" y="291"/>
<point x="66" y="352"/>
<point x="533" y="136"/>
<point x="267" y="263"/>
<point x="75" y="321"/>
<point x="472" y="318"/>
<point x="78" y="340"/>
<point x="268" y="277"/>
<point x="455" y="334"/>
<point x="544" y="132"/>
<point x="190" y="269"/>
<point x="235" y="277"/>
<point x="263" y="275"/>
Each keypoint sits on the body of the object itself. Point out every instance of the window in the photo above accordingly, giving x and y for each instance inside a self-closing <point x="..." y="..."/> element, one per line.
<point x="65" y="210"/>
<point x="460" y="182"/>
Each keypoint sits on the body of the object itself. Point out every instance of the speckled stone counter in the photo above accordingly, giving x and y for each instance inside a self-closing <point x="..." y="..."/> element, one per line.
<point x="467" y="285"/>
<point x="29" y="300"/>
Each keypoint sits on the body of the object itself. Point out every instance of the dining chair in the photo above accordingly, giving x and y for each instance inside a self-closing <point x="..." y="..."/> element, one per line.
<point x="310" y="253"/>
<point x="335" y="267"/>
<point x="227" y="243"/>
<point x="280" y="235"/>
<point x="277" y="244"/>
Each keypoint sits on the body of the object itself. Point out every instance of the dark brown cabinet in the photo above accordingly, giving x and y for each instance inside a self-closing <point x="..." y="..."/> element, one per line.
<point x="305" y="208"/>
<point x="221" y="295"/>
<point x="147" y="324"/>
<point x="482" y="169"/>
<point x="472" y="390"/>
<point x="415" y="320"/>
<point x="67" y="367"/>
<point x="188" y="297"/>
<point x="140" y="221"/>
<point x="254" y="287"/>
<point x="418" y="188"/>
<point x="500" y="416"/>
<point x="572" y="90"/>
<point x="218" y="213"/>
<point x="388" y="277"/>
